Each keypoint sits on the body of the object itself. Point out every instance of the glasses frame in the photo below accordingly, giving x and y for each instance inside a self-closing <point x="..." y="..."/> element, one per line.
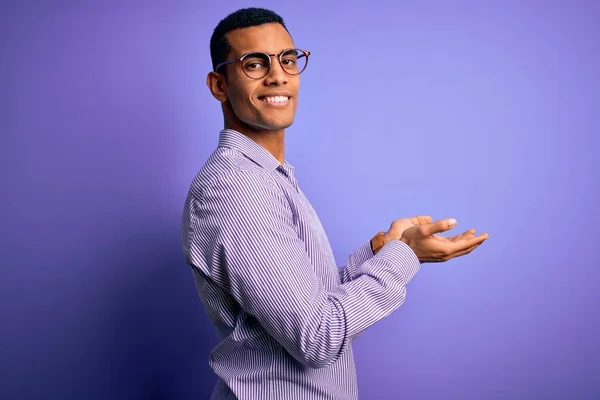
<point x="239" y="60"/>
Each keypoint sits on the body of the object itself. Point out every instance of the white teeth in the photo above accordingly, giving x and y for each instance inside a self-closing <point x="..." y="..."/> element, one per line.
<point x="275" y="99"/>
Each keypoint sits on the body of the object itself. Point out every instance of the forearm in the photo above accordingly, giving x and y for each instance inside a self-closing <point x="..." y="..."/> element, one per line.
<point x="356" y="259"/>
<point x="379" y="287"/>
<point x="362" y="255"/>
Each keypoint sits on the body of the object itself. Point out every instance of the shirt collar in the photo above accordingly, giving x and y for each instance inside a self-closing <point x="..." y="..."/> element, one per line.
<point x="252" y="150"/>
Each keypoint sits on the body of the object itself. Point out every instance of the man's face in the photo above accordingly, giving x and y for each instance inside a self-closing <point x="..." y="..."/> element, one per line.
<point x="252" y="100"/>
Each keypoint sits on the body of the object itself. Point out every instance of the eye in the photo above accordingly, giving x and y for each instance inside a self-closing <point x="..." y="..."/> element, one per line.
<point x="289" y="59"/>
<point x="254" y="65"/>
<point x="255" y="62"/>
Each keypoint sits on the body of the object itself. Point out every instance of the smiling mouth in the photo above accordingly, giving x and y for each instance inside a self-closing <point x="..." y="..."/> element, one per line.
<point x="275" y="100"/>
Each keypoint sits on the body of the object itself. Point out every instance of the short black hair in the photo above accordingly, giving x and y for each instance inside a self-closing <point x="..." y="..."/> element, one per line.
<point x="243" y="18"/>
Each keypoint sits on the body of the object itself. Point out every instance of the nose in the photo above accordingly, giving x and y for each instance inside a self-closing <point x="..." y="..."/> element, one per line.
<point x="276" y="75"/>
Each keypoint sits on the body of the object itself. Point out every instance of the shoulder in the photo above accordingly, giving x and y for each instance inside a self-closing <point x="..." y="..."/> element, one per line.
<point x="229" y="172"/>
<point x="228" y="177"/>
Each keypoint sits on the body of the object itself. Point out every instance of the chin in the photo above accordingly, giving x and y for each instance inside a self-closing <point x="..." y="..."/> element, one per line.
<point x="279" y="127"/>
<point x="275" y="125"/>
<point x="265" y="122"/>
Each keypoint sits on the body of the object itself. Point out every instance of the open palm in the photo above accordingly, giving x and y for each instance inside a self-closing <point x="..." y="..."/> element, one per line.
<point x="430" y="247"/>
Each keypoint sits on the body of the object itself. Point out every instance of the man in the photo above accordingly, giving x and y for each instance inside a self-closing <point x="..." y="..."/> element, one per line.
<point x="284" y="314"/>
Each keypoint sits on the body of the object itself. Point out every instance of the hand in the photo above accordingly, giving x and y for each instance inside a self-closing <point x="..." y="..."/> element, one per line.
<point x="431" y="248"/>
<point x="398" y="227"/>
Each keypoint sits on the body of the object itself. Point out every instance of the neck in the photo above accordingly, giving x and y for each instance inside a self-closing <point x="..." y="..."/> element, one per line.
<point x="272" y="141"/>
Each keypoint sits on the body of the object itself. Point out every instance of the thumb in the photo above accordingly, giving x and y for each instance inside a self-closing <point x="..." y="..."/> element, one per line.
<point x="438" y="226"/>
<point x="421" y="219"/>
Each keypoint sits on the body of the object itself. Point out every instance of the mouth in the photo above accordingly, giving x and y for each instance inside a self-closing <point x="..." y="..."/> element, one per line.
<point x="275" y="100"/>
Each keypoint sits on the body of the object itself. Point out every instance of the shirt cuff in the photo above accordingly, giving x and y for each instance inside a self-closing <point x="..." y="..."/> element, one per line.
<point x="402" y="256"/>
<point x="363" y="254"/>
<point x="358" y="258"/>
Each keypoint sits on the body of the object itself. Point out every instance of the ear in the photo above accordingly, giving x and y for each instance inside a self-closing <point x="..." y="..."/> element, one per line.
<point x="216" y="85"/>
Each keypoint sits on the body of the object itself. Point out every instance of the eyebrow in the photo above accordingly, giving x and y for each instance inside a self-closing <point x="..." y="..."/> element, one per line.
<point x="264" y="51"/>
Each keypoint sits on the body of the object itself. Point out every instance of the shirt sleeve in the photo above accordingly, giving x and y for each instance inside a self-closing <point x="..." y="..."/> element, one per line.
<point x="359" y="257"/>
<point x="243" y="226"/>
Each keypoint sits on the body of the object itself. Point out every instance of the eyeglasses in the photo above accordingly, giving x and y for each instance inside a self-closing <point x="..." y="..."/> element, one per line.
<point x="256" y="65"/>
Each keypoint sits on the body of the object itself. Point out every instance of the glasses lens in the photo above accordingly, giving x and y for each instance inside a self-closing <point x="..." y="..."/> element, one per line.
<point x="256" y="65"/>
<point x="294" y="61"/>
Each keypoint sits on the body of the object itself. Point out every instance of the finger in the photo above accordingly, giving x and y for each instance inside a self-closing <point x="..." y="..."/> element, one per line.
<point x="463" y="252"/>
<point x="465" y="235"/>
<point x="464" y="244"/>
<point x="421" y="219"/>
<point x="437" y="227"/>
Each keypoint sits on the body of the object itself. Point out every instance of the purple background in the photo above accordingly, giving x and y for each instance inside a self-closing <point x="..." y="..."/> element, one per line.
<point x="488" y="112"/>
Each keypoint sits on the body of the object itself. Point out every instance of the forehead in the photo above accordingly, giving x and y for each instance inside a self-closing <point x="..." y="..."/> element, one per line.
<point x="270" y="38"/>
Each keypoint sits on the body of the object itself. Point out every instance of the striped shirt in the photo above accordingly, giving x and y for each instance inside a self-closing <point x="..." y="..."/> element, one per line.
<point x="285" y="315"/>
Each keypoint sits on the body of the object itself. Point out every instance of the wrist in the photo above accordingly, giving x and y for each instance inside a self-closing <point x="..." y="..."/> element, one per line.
<point x="377" y="242"/>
